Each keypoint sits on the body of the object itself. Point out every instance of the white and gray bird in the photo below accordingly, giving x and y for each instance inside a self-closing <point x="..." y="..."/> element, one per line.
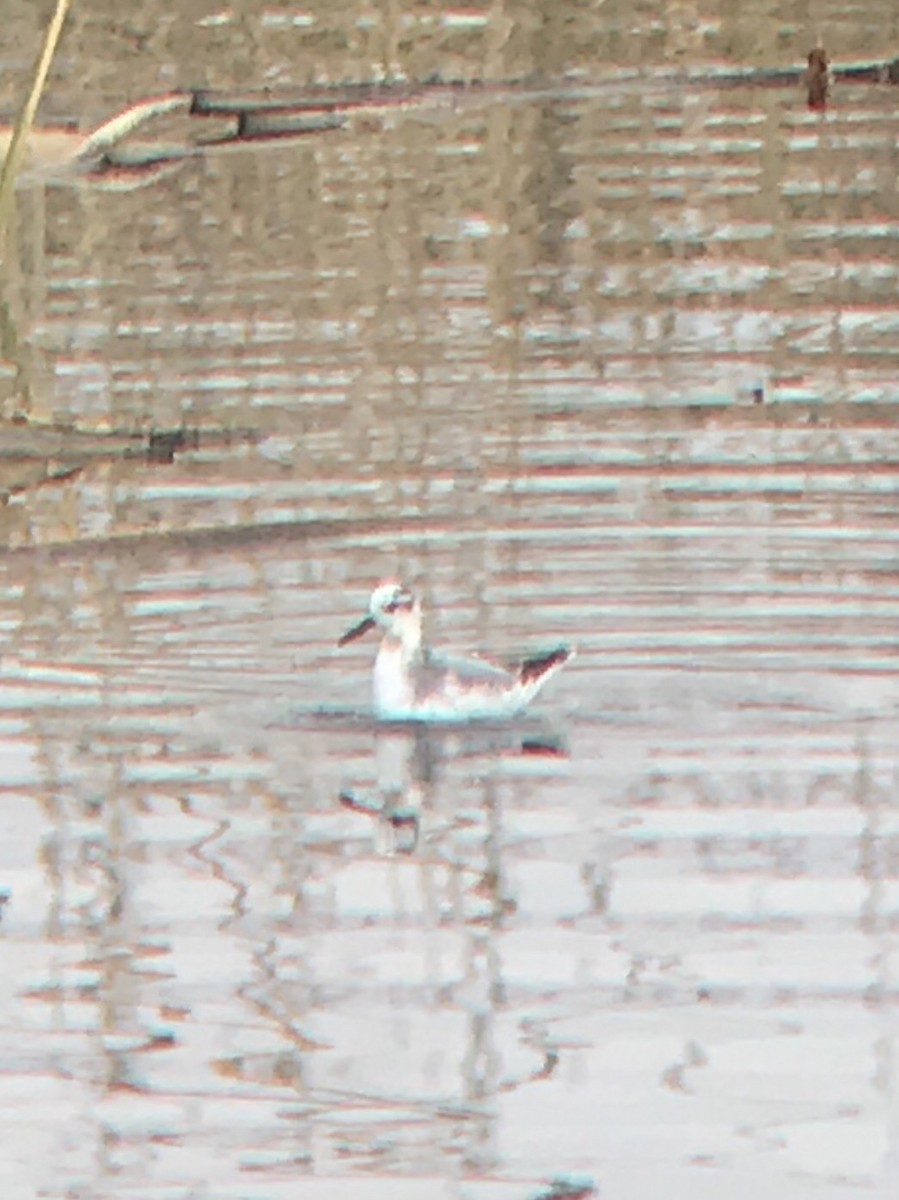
<point x="412" y="682"/>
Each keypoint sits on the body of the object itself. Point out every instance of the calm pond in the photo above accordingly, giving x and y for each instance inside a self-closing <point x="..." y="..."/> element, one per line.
<point x="612" y="360"/>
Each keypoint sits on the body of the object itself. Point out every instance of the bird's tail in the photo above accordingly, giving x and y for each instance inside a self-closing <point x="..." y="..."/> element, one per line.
<point x="539" y="665"/>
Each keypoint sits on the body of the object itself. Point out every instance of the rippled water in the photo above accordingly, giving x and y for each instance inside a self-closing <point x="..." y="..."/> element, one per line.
<point x="615" y="367"/>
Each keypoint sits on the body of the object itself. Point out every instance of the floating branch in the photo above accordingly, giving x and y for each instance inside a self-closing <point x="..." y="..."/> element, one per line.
<point x="108" y="156"/>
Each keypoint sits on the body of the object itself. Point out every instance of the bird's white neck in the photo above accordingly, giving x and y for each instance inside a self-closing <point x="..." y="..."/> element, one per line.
<point x="405" y="629"/>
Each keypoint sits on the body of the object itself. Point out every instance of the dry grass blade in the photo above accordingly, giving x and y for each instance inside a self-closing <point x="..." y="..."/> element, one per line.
<point x="26" y="118"/>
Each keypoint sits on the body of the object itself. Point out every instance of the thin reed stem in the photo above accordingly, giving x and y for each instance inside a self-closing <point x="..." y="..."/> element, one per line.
<point x="26" y="117"/>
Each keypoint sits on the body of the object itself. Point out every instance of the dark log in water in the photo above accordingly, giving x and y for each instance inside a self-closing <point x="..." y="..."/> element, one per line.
<point x="346" y="98"/>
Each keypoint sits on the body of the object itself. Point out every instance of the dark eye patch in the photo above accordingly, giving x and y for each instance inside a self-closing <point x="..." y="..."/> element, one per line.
<point x="400" y="600"/>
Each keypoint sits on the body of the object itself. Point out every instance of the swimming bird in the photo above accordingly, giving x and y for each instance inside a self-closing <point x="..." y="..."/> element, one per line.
<point x="412" y="682"/>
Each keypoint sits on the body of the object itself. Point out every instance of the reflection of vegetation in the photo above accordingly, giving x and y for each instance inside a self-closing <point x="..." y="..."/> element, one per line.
<point x="11" y="352"/>
<point x="32" y="454"/>
<point x="26" y="117"/>
<point x="9" y="341"/>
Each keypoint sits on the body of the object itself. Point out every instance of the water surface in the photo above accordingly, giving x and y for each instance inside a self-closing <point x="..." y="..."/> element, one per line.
<point x="614" y="368"/>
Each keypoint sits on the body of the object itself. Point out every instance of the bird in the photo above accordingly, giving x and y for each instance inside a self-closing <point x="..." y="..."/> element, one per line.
<point x="412" y="682"/>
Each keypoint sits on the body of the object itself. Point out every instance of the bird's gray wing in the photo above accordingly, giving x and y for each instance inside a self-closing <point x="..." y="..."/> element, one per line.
<point x="435" y="670"/>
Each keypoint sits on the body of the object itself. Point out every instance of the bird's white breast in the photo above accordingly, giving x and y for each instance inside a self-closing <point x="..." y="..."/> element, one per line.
<point x="394" y="692"/>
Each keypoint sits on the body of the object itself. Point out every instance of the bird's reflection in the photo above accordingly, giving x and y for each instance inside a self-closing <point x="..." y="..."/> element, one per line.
<point x="407" y="760"/>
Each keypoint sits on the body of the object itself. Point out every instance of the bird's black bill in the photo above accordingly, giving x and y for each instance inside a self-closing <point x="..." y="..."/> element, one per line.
<point x="357" y="631"/>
